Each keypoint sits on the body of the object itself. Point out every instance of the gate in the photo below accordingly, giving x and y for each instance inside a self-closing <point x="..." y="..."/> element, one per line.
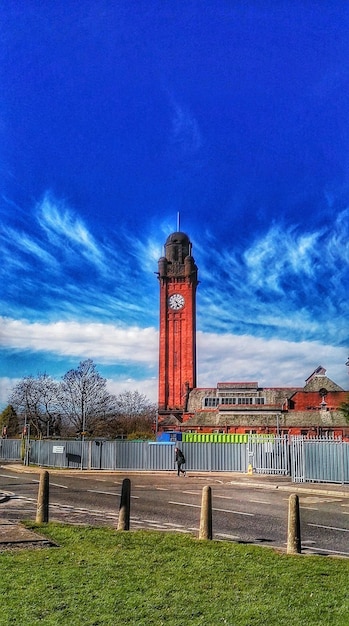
<point x="268" y="454"/>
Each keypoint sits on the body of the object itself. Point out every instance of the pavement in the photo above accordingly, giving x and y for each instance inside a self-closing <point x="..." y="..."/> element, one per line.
<point x="14" y="535"/>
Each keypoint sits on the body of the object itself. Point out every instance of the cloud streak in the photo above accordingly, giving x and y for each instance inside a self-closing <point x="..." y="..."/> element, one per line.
<point x="285" y="284"/>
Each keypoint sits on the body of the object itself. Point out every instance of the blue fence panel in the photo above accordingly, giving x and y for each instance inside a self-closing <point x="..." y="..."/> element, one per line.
<point x="326" y="461"/>
<point x="10" y="449"/>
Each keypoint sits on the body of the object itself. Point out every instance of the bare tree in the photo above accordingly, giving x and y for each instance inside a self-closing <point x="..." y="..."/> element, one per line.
<point x="36" y="402"/>
<point x="79" y="404"/>
<point x="84" y="397"/>
<point x="133" y="415"/>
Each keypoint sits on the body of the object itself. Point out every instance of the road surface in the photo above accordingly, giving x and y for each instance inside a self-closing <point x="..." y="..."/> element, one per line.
<point x="242" y="512"/>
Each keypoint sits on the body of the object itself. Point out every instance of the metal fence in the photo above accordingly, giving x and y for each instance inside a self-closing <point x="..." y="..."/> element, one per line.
<point x="10" y="449"/>
<point x="305" y="460"/>
<point x="128" y="455"/>
<point x="153" y="456"/>
<point x="319" y="460"/>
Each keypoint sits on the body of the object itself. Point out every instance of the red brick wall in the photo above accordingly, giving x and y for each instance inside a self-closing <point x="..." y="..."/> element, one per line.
<point x="310" y="400"/>
<point x="177" y="345"/>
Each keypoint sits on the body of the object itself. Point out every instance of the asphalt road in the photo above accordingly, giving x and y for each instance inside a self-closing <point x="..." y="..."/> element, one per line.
<point x="242" y="512"/>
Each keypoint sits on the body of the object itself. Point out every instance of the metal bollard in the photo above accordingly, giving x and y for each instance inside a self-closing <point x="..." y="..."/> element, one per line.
<point x="124" y="511"/>
<point x="42" y="510"/>
<point x="205" y="531"/>
<point x="294" y="527"/>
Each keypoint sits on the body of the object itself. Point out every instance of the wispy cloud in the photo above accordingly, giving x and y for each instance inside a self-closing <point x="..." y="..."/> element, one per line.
<point x="285" y="284"/>
<point x="185" y="129"/>
<point x="64" y="228"/>
<point x="66" y="271"/>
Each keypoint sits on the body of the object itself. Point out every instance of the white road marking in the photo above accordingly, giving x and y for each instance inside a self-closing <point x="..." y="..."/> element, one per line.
<point x="106" y="493"/>
<point x="235" y="512"/>
<point x="193" y="493"/>
<point x="109" y="493"/>
<point x="317" y="549"/>
<point x="309" y="508"/>
<point x="161" y="489"/>
<point x="344" y="530"/>
<point x="198" y="506"/>
<point x="7" y="476"/>
<point x="260" y="501"/>
<point x="226" y="536"/>
<point x="57" y="485"/>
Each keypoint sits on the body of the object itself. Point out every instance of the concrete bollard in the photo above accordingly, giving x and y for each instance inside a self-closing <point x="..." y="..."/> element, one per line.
<point x="43" y="498"/>
<point x="294" y="526"/>
<point x="124" y="511"/>
<point x="205" y="531"/>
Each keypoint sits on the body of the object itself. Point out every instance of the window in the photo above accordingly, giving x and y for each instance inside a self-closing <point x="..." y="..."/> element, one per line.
<point x="259" y="400"/>
<point x="210" y="402"/>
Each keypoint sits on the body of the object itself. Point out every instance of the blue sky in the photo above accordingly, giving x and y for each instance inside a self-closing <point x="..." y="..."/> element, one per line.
<point x="117" y="115"/>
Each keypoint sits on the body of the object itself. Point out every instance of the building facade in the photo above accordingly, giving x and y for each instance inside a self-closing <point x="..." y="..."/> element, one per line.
<point x="230" y="407"/>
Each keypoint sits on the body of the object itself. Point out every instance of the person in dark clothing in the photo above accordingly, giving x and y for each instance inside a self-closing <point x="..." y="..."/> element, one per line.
<point x="180" y="460"/>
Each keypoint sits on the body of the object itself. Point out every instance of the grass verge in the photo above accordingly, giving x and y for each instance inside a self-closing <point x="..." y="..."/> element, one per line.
<point x="100" y="577"/>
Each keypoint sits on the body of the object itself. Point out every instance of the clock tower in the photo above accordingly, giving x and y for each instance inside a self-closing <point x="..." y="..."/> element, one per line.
<point x="177" y="346"/>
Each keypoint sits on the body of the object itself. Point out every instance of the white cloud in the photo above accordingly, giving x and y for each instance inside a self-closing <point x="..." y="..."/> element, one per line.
<point x="272" y="363"/>
<point x="227" y="357"/>
<point x="108" y="343"/>
<point x="146" y="386"/>
<point x="6" y="385"/>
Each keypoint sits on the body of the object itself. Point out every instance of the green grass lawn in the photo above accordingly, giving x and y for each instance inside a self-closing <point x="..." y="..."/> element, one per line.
<point x="98" y="576"/>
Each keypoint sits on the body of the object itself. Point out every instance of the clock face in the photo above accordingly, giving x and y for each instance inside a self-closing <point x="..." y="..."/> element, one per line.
<point x="176" y="302"/>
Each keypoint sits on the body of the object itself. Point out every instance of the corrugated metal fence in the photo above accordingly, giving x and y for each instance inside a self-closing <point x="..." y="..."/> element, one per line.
<point x="319" y="460"/>
<point x="10" y="449"/>
<point x="128" y="455"/>
<point x="305" y="460"/>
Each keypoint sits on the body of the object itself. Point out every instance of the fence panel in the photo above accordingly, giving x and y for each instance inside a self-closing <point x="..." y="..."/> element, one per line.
<point x="10" y="449"/>
<point x="269" y="454"/>
<point x="160" y="456"/>
<point x="297" y="459"/>
<point x="326" y="461"/>
<point x="320" y="460"/>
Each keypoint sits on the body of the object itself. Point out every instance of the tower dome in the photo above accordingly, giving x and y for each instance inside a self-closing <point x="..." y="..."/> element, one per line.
<point x="177" y="247"/>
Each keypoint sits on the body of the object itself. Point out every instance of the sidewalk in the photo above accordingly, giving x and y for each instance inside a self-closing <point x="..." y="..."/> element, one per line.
<point x="14" y="535"/>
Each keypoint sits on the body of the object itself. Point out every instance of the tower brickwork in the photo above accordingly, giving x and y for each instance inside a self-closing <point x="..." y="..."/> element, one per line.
<point x="177" y="343"/>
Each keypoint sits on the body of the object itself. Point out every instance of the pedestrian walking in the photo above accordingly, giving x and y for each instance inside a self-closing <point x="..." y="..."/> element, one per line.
<point x="180" y="460"/>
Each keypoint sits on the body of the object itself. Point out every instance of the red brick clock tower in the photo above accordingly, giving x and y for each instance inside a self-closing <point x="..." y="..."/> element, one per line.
<point x="177" y="349"/>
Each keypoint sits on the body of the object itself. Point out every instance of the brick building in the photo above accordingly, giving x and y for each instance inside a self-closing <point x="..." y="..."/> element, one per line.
<point x="230" y="407"/>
